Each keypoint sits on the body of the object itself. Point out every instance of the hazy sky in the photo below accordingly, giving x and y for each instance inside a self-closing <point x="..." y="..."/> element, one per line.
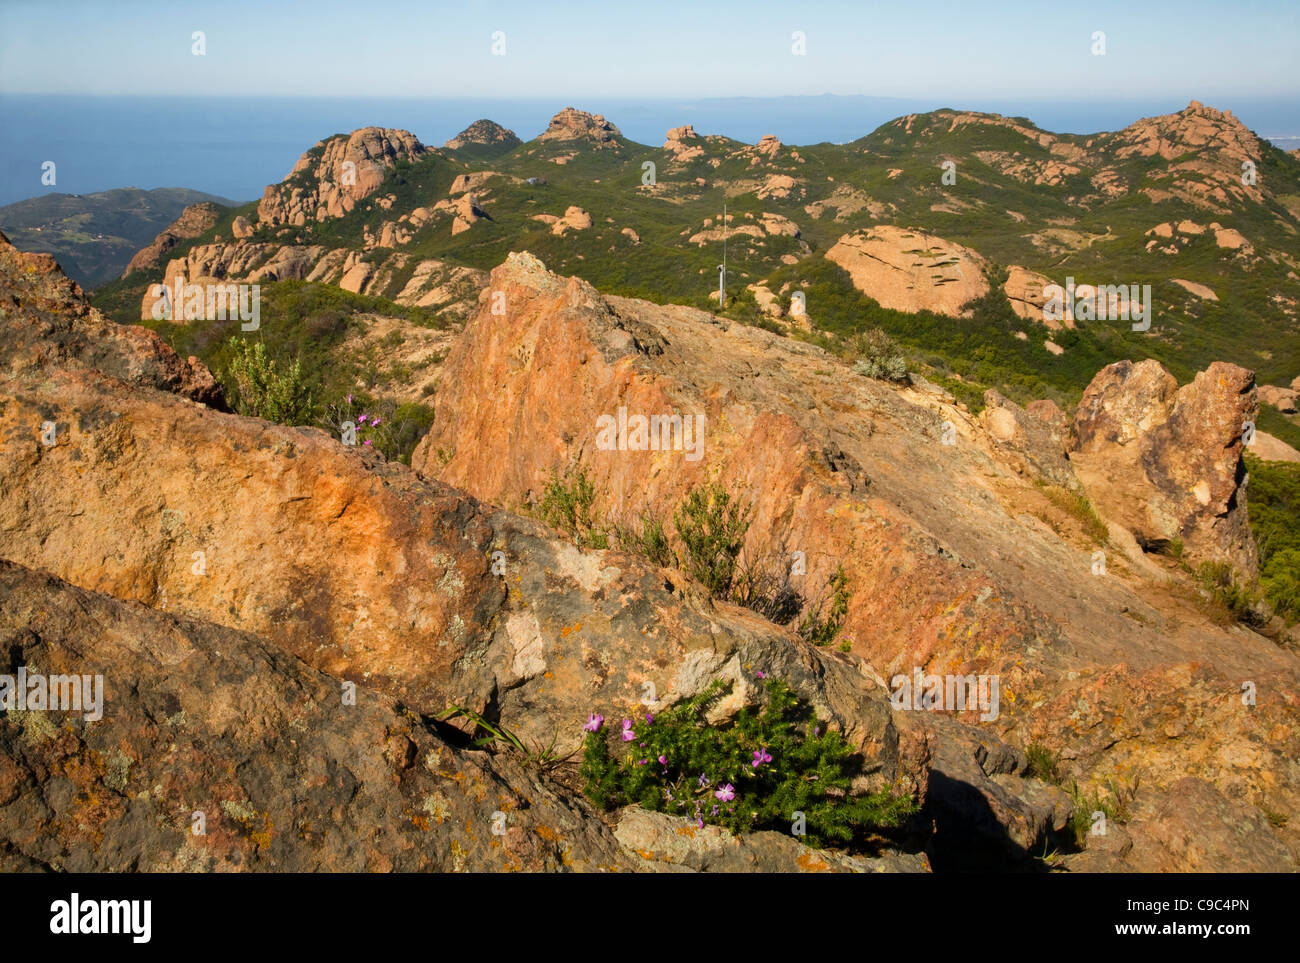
<point x="653" y="49"/>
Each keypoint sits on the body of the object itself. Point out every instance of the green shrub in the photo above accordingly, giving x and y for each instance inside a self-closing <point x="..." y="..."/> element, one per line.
<point x="381" y="424"/>
<point x="566" y="505"/>
<point x="1274" y="498"/>
<point x="821" y="630"/>
<point x="877" y="356"/>
<point x="1042" y="763"/>
<point x="652" y="542"/>
<point x="1116" y="807"/>
<point x="773" y="761"/>
<point x="1227" y="592"/>
<point x="263" y="389"/>
<point x="712" y="528"/>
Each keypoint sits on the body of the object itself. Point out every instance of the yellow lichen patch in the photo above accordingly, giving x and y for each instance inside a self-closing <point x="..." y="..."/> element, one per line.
<point x="435" y="805"/>
<point x="686" y="831"/>
<point x="549" y="834"/>
<point x="809" y="864"/>
<point x="457" y="857"/>
<point x="247" y="816"/>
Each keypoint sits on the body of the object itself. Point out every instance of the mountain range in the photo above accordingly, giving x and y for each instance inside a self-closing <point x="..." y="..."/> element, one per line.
<point x="367" y="567"/>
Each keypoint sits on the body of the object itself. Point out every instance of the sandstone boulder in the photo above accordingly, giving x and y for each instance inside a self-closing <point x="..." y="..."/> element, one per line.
<point x="47" y="323"/>
<point x="1165" y="462"/>
<point x="1037" y="443"/>
<point x="909" y="270"/>
<point x="1269" y="448"/>
<point x="286" y="775"/>
<point x="1024" y="289"/>
<point x="1283" y="399"/>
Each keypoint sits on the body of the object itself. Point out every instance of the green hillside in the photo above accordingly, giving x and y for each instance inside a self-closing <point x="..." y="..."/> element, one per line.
<point x="93" y="236"/>
<point x="1059" y="205"/>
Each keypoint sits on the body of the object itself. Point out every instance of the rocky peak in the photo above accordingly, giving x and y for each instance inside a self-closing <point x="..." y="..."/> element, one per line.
<point x="1194" y="128"/>
<point x="486" y="133"/>
<point x="194" y="220"/>
<point x="683" y="143"/>
<point x="336" y="174"/>
<point x="574" y="124"/>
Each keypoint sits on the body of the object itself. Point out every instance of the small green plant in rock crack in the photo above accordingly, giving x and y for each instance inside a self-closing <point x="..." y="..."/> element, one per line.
<point x="1116" y="807"/>
<point x="822" y="631"/>
<point x="755" y="773"/>
<point x="1043" y="764"/>
<point x="566" y="505"/>
<point x="649" y="541"/>
<point x="712" y="528"/>
<point x="494" y="735"/>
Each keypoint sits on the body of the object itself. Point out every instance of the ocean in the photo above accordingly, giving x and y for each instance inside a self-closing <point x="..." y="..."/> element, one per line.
<point x="234" y="147"/>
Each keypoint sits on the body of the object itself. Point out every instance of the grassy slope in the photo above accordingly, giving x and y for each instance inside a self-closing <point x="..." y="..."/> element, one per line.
<point x="94" y="236"/>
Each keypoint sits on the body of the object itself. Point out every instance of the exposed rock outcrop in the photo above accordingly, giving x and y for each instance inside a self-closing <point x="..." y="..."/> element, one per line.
<point x="910" y="270"/>
<point x="210" y="728"/>
<point x="950" y="567"/>
<point x="1024" y="289"/>
<point x="47" y="323"/>
<point x="573" y="124"/>
<point x="1206" y="148"/>
<point x="484" y="133"/>
<point x="684" y="144"/>
<point x="1165" y="462"/>
<point x="1040" y="441"/>
<point x="574" y="219"/>
<point x="194" y="220"/>
<point x="376" y="578"/>
<point x="333" y="176"/>
<point x="1283" y="399"/>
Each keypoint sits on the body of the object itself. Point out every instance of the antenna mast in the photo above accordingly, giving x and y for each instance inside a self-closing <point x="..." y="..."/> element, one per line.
<point x="722" y="268"/>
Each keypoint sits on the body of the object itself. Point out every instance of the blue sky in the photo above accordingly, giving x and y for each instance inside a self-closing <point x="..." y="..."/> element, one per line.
<point x="660" y="48"/>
